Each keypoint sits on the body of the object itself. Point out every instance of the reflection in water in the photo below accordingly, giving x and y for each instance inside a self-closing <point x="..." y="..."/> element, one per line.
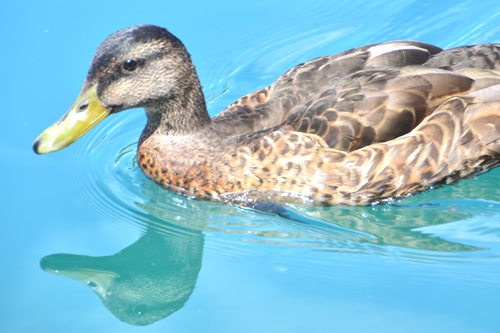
<point x="145" y="282"/>
<point x="391" y="225"/>
<point x="154" y="277"/>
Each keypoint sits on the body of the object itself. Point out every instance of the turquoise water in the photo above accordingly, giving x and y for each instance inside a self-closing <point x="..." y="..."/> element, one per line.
<point x="89" y="244"/>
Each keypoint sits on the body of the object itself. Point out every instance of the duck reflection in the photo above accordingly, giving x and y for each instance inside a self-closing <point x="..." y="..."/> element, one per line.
<point x="155" y="276"/>
<point x="143" y="283"/>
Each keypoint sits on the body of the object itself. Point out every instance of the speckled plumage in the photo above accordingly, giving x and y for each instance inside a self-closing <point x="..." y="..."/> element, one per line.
<point x="370" y="124"/>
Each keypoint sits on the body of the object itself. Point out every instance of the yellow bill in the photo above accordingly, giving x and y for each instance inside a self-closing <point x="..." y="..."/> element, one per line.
<point x="84" y="114"/>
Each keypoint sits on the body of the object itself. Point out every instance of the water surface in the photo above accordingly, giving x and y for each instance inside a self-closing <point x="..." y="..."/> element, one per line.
<point x="90" y="244"/>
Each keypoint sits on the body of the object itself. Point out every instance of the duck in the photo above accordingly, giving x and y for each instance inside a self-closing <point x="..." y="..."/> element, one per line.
<point x="369" y="125"/>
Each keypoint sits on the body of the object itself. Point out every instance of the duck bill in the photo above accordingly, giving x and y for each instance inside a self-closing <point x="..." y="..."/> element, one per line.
<point x="81" y="268"/>
<point x="84" y="114"/>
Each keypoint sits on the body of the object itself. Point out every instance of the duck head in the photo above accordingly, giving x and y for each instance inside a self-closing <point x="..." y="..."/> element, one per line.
<point x="141" y="66"/>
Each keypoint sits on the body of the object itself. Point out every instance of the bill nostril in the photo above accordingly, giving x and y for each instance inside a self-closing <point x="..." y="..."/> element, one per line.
<point x="82" y="107"/>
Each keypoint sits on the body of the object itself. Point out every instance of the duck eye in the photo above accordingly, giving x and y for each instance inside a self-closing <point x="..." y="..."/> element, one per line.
<point x="130" y="65"/>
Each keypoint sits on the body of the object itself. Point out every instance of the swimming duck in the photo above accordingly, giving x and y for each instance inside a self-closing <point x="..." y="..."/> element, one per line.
<point x="368" y="125"/>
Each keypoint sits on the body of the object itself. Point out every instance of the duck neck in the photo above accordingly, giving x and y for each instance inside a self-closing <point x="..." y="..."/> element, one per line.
<point x="182" y="113"/>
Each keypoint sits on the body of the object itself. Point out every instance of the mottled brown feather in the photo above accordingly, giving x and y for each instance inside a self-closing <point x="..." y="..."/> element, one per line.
<point x="368" y="135"/>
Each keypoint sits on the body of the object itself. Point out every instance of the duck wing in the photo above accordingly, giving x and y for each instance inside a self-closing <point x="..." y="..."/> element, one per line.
<point x="367" y="95"/>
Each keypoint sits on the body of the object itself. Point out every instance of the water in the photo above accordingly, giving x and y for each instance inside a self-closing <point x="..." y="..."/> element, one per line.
<point x="89" y="244"/>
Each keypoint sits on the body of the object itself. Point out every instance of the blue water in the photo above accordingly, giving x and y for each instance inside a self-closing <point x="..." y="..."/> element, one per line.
<point x="427" y="264"/>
